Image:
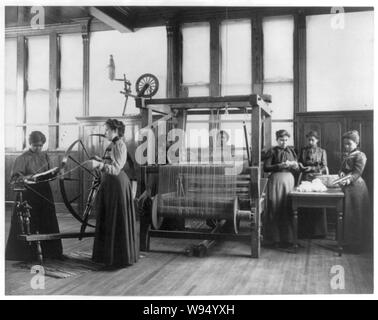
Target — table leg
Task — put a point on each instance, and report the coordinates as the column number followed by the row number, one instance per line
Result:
column 39, row 251
column 340, row 227
column 295, row 230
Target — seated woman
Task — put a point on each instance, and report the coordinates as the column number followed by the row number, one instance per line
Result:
column 356, row 201
column 116, row 242
column 312, row 160
column 281, row 162
column 39, row 196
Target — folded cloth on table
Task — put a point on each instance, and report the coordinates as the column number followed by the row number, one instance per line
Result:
column 314, row 186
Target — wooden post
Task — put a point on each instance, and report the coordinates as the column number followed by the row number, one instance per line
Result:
column 255, row 179
column 257, row 55
column 267, row 133
column 299, row 64
column 174, row 59
column 85, row 35
column 53, row 90
column 215, row 86
column 256, row 135
column 21, row 81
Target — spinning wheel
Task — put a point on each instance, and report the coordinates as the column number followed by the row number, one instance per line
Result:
column 73, row 171
column 147, row 85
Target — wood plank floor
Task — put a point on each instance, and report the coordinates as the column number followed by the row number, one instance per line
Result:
column 228, row 270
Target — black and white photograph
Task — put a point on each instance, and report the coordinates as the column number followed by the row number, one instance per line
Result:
column 183, row 150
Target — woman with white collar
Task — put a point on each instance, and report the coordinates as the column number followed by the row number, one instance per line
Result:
column 356, row 201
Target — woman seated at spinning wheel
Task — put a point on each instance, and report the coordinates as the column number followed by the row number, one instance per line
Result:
column 281, row 162
column 116, row 241
column 39, row 196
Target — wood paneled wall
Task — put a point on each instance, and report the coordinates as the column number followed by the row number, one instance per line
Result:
column 331, row 126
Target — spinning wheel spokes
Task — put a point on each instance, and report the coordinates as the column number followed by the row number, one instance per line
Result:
column 79, row 185
column 151, row 83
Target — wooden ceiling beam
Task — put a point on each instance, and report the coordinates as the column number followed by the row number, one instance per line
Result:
column 120, row 19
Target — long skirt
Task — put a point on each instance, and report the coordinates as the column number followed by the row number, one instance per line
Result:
column 356, row 213
column 278, row 223
column 43, row 219
column 116, row 240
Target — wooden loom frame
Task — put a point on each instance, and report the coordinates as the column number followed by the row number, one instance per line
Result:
column 258, row 108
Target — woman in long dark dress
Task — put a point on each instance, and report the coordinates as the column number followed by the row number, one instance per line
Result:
column 116, row 242
column 281, row 162
column 39, row 196
column 356, row 200
column 312, row 222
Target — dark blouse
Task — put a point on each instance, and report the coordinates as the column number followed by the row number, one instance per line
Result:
column 353, row 163
column 315, row 158
column 30, row 163
column 276, row 156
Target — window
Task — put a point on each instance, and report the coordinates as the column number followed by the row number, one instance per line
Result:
column 197, row 138
column 12, row 116
column 143, row 51
column 37, row 93
column 236, row 57
column 278, row 70
column 340, row 62
column 196, row 58
column 71, row 87
column 233, row 125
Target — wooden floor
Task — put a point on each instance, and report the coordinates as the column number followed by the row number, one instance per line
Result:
column 228, row 270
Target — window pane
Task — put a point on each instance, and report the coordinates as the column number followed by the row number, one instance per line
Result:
column 37, row 106
column 67, row 135
column 38, row 62
column 278, row 47
column 236, row 57
column 70, row 105
column 144, row 51
column 11, row 115
column 10, row 64
column 196, row 56
column 339, row 62
column 197, row 135
column 198, row 91
column 13, row 137
column 236, row 133
column 71, row 64
column 282, row 125
column 282, row 99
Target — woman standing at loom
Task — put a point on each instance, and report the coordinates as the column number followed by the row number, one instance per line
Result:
column 356, row 201
column 312, row 161
column 281, row 162
column 116, row 241
column 39, row 196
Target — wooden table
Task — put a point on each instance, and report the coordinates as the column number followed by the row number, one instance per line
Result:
column 332, row 198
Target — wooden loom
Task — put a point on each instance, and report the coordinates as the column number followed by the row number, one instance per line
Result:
column 204, row 191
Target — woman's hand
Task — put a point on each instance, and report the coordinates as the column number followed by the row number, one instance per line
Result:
column 285, row 164
column 345, row 182
column 93, row 164
column 294, row 165
column 341, row 174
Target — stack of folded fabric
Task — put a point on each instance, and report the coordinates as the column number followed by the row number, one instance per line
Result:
column 314, row 186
